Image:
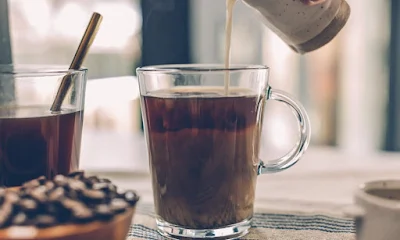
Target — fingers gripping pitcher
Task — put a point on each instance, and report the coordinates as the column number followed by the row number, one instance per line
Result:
column 305, row 25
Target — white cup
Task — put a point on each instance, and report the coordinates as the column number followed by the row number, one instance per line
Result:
column 377, row 217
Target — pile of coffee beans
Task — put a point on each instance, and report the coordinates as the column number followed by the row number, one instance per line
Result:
column 65, row 199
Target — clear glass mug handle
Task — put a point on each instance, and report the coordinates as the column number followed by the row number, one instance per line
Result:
column 295, row 154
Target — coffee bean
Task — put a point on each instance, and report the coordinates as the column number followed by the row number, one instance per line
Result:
column 39, row 194
column 60, row 180
column 49, row 185
column 104, row 212
column 104, row 180
column 77, row 174
column 93, row 195
column 42, row 180
column 23, row 194
column 28, row 205
column 76, row 185
column 20, row 219
column 72, row 194
column 112, row 187
column 44, row 220
column 3, row 192
column 93, row 179
column 103, row 186
column 6, row 214
column 11, row 197
column 82, row 214
column 31, row 184
column 2, row 195
column 71, row 204
column 87, row 182
column 118, row 205
column 57, row 194
column 131, row 197
column 110, row 196
column 62, row 213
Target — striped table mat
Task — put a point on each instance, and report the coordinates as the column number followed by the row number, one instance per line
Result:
column 271, row 226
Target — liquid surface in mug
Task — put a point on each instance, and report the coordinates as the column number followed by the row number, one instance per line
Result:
column 34, row 143
column 391, row 194
column 203, row 149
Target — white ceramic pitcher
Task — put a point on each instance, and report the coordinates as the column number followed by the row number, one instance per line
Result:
column 305, row 25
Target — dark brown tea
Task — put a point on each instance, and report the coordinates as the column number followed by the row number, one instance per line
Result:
column 34, row 143
column 203, row 149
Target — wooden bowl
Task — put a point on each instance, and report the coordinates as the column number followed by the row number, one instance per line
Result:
column 115, row 229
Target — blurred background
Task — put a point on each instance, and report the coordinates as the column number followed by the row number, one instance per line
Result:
column 350, row 87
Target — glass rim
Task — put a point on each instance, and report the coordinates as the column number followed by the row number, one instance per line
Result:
column 206, row 68
column 38, row 69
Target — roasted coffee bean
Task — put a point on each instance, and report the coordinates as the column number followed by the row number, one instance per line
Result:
column 131, row 197
column 82, row 214
column 76, row 185
column 2, row 195
column 42, row 180
column 103, row 186
column 20, row 219
column 62, row 213
column 31, row 184
column 39, row 194
column 2, row 191
column 87, row 182
column 60, row 180
column 71, row 204
column 73, row 194
column 12, row 197
column 93, row 195
column 44, row 220
column 118, row 205
column 28, row 205
column 104, row 180
column 5, row 214
column 23, row 194
column 104, row 212
column 57, row 194
column 93, row 179
column 112, row 187
column 77, row 174
column 111, row 196
column 49, row 185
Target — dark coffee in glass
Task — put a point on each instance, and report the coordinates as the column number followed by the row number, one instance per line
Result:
column 34, row 143
column 203, row 150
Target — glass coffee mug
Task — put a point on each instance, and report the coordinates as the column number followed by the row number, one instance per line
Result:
column 203, row 140
column 35, row 141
